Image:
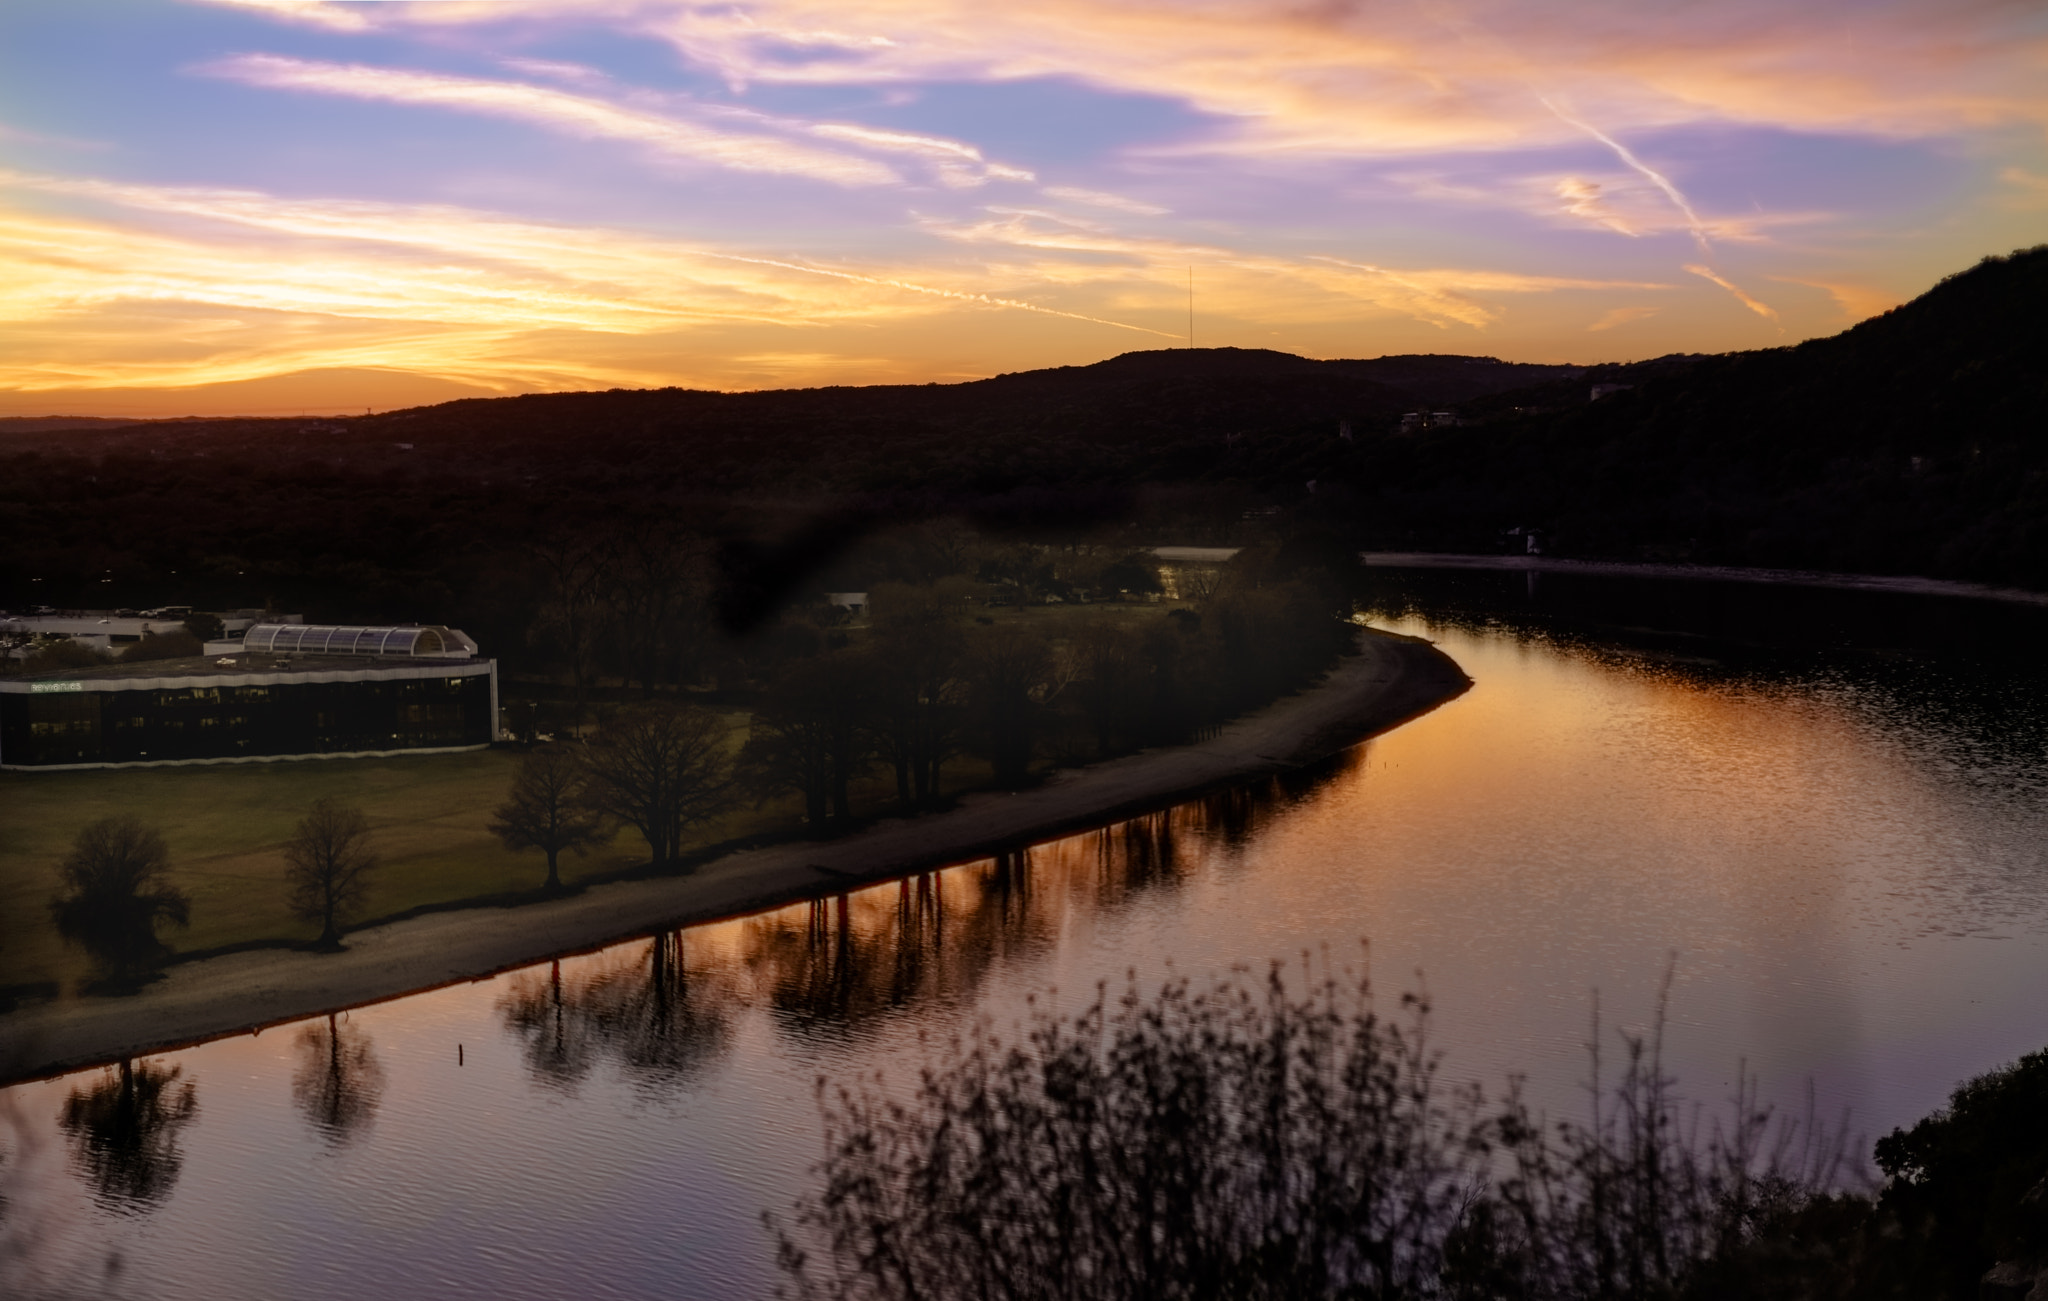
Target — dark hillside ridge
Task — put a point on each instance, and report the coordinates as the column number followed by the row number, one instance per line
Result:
column 1916, row 442
column 1913, row 443
column 1151, row 412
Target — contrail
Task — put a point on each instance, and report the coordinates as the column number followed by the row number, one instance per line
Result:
column 1708, row 273
column 1655, row 177
column 938, row 293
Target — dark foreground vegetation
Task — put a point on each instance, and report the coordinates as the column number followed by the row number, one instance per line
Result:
column 1255, row 1139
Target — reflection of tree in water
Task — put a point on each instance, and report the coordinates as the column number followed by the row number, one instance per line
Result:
column 338, row 1081
column 124, row 1130
column 851, row 957
column 557, row 1040
column 1138, row 854
column 869, row 953
column 645, row 1009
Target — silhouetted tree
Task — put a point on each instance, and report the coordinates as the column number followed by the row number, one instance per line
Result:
column 203, row 627
column 339, row 1080
column 916, row 660
column 1133, row 572
column 661, row 768
column 809, row 736
column 659, row 622
column 1110, row 666
column 569, row 627
column 1969, row 1184
column 175, row 645
column 64, row 653
column 546, row 809
column 328, row 862
column 1010, row 673
column 116, row 893
column 125, row 1131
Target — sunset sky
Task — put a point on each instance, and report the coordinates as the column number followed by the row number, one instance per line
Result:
column 213, row 206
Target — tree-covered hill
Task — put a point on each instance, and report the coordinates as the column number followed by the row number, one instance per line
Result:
column 1913, row 443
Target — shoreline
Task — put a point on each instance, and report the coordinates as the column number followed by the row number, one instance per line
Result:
column 1901, row 584
column 1391, row 680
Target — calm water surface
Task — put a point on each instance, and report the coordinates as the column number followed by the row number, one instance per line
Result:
column 1825, row 811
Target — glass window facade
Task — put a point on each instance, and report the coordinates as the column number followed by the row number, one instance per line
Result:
column 217, row 718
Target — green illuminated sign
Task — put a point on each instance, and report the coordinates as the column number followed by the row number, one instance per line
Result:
column 43, row 688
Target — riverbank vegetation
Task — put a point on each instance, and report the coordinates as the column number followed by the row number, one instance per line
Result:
column 1290, row 1139
column 822, row 721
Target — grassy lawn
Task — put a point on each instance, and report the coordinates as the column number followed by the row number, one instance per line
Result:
column 227, row 824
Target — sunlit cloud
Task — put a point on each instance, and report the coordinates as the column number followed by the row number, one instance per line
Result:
column 1856, row 302
column 1344, row 77
column 312, row 13
column 430, row 286
column 555, row 110
column 1099, row 199
column 1621, row 316
column 1619, row 202
column 1259, row 287
column 776, row 189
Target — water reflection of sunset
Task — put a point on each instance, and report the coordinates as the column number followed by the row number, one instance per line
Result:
column 1845, row 866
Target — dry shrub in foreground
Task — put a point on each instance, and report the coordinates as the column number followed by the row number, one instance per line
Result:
column 1255, row 1139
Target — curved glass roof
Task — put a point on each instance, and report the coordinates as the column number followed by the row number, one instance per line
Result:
column 335, row 639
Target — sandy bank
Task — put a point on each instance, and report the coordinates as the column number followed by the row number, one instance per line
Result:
column 1390, row 680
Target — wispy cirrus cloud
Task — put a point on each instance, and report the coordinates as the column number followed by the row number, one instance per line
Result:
column 1343, row 176
column 1263, row 288
column 1620, row 202
column 1351, row 78
column 704, row 138
column 384, row 277
column 556, row 110
column 1621, row 316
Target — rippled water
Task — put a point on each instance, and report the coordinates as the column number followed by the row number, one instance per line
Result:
column 1825, row 812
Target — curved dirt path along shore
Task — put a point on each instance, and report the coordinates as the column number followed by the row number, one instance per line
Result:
column 1390, row 680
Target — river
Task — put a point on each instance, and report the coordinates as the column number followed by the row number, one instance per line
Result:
column 1825, row 814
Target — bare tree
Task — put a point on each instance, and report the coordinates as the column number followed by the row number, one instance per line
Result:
column 660, row 619
column 918, row 649
column 328, row 862
column 1011, row 672
column 1110, row 663
column 546, row 809
column 571, row 620
column 808, row 736
column 661, row 768
column 116, row 893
